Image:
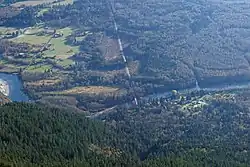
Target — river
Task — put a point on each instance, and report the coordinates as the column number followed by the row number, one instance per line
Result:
column 222, row 87
column 16, row 93
column 15, row 87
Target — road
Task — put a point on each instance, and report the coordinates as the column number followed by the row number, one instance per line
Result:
column 106, row 111
column 121, row 51
column 127, row 72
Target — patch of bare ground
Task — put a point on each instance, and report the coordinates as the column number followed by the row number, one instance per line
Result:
column 90, row 90
column 133, row 67
column 109, row 48
column 107, row 151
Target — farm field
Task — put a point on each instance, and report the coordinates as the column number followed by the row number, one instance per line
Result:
column 90, row 90
column 31, row 39
column 57, row 48
column 40, row 68
column 39, row 2
column 6, row 30
column 64, row 63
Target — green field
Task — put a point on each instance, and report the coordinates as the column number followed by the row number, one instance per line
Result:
column 39, row 68
column 33, row 30
column 31, row 39
column 58, row 47
column 9, row 68
column 64, row 63
column 4, row 30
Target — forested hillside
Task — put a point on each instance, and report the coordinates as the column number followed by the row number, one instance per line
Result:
column 34, row 135
column 214, row 126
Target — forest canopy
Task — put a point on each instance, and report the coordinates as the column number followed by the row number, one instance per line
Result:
column 35, row 135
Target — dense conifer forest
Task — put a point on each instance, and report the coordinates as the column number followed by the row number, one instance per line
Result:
column 35, row 135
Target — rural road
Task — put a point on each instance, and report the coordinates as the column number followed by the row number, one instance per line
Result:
column 121, row 50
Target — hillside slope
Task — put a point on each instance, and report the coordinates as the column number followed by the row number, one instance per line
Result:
column 35, row 135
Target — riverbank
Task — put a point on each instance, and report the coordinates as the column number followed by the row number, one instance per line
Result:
column 15, row 87
column 4, row 87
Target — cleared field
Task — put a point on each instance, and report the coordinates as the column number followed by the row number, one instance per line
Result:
column 39, row 68
column 90, row 90
column 46, row 82
column 9, row 68
column 33, row 30
column 39, row 2
column 134, row 67
column 58, row 47
column 64, row 63
column 109, row 48
column 6, row 30
column 4, row 63
column 31, row 39
column 86, row 90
